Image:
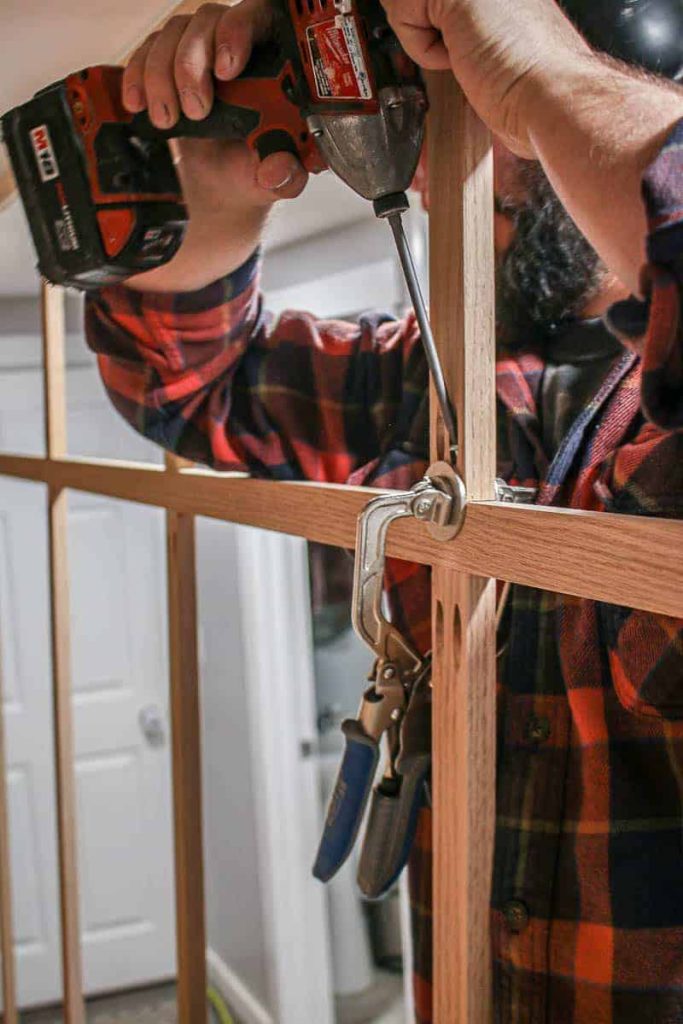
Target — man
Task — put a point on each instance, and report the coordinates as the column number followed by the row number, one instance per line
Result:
column 587, row 901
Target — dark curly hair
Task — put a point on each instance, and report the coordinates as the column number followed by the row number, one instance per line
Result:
column 549, row 272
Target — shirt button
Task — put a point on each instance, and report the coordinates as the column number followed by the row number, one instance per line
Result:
column 516, row 915
column 538, row 729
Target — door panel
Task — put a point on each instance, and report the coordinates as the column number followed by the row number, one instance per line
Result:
column 24, row 648
column 119, row 667
column 28, row 910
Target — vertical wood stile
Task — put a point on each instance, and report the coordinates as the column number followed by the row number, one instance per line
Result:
column 462, row 311
column 187, row 780
column 65, row 783
column 9, row 993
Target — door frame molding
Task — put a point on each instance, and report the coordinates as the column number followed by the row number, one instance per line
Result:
column 280, row 685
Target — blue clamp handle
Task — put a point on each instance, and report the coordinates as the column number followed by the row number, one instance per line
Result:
column 349, row 799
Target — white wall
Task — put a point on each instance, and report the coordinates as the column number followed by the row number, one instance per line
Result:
column 343, row 272
column 233, row 896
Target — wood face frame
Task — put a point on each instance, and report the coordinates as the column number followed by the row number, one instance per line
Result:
column 640, row 563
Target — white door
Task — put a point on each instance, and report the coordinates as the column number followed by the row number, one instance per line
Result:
column 119, row 665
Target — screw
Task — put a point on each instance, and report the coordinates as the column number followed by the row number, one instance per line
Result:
column 396, row 715
column 388, row 672
column 423, row 507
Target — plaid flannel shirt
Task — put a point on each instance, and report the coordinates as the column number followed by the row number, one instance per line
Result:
column 587, row 898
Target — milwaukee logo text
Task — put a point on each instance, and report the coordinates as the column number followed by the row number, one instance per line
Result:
column 45, row 156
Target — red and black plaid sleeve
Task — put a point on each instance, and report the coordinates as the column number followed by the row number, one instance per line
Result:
column 210, row 376
column 644, row 477
column 655, row 325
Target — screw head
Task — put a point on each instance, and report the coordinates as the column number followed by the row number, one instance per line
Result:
column 396, row 715
column 423, row 507
column 388, row 672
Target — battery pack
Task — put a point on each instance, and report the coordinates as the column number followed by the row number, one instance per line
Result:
column 102, row 203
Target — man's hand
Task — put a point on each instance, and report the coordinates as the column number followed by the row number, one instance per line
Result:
column 227, row 189
column 593, row 124
column 499, row 52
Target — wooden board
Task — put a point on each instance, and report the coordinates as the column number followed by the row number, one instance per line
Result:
column 187, row 780
column 641, row 560
column 463, row 606
column 60, row 626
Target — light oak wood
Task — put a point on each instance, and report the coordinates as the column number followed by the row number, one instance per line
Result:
column 463, row 786
column 640, row 560
column 53, row 333
column 65, row 782
column 463, row 606
column 7, row 966
column 187, row 781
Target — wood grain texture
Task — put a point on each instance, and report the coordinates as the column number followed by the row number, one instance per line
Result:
column 186, row 748
column 60, row 633
column 7, row 965
column 463, row 606
column 53, row 332
column 462, row 279
column 463, row 776
column 640, row 561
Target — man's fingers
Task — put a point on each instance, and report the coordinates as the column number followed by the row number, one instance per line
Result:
column 423, row 43
column 282, row 176
column 194, row 60
column 174, row 68
column 237, row 31
column 159, row 81
column 133, row 85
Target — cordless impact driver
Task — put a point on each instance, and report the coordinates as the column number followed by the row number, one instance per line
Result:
column 333, row 87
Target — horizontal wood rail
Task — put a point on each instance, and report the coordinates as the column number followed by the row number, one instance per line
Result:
column 607, row 557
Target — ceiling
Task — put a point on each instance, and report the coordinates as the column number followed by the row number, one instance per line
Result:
column 39, row 43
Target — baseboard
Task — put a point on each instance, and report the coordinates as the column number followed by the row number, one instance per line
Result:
column 239, row 996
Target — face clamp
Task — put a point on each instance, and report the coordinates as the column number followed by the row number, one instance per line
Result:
column 439, row 501
column 397, row 704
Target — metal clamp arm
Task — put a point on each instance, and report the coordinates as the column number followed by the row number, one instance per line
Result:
column 369, row 621
column 437, row 500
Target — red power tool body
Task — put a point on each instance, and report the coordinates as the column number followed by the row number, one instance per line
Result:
column 99, row 186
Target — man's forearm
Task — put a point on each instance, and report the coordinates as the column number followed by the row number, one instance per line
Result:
column 211, row 249
column 596, row 127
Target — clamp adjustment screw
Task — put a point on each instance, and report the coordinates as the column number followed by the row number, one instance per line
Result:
column 423, row 507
